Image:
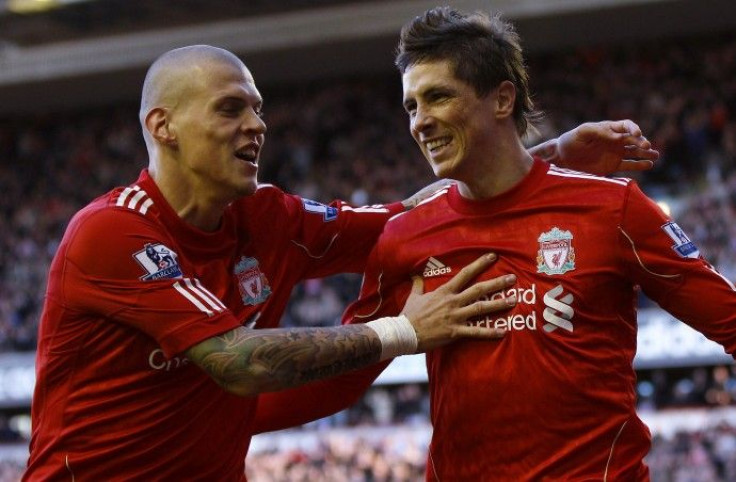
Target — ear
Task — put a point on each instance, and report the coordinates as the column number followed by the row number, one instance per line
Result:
column 157, row 124
column 505, row 99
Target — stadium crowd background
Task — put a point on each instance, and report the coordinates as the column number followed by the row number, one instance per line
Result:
column 348, row 139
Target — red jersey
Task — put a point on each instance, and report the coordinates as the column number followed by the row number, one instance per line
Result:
column 130, row 289
column 555, row 398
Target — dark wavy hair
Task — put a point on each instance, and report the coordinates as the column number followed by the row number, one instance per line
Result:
column 484, row 49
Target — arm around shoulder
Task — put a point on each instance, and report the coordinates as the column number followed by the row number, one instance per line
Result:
column 248, row 362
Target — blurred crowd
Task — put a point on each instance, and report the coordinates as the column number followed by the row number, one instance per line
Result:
column 349, row 139
column 687, row 456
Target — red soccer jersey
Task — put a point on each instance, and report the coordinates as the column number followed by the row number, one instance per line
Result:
column 131, row 287
column 555, row 398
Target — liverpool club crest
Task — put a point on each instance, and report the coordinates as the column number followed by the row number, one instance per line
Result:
column 556, row 254
column 252, row 284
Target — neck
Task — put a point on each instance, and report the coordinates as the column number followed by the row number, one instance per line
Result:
column 496, row 173
column 187, row 200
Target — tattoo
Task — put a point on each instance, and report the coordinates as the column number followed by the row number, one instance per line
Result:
column 249, row 362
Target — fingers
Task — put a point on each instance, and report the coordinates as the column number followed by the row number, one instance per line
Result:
column 641, row 152
column 484, row 307
column 638, row 153
column 485, row 287
column 628, row 133
column 417, row 285
column 469, row 272
column 626, row 126
column 479, row 332
column 635, row 165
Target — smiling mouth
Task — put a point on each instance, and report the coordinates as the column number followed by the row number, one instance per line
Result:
column 248, row 155
column 438, row 143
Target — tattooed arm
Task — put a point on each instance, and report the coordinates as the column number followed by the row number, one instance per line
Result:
column 248, row 362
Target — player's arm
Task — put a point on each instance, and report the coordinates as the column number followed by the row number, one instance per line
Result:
column 248, row 362
column 600, row 148
column 327, row 239
column 383, row 293
column 596, row 147
column 668, row 266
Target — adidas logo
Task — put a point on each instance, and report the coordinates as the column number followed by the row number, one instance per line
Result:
column 435, row 267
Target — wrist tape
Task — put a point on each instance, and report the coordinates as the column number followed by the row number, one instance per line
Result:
column 397, row 336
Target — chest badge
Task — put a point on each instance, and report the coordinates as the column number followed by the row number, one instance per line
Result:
column 556, row 254
column 252, row 283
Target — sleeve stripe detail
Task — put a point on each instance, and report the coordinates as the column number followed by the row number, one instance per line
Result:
column 208, row 296
column 365, row 209
column 124, row 195
column 641, row 263
column 147, row 204
column 380, row 300
column 434, row 196
column 590, row 177
column 191, row 298
column 610, row 452
column 134, row 198
column 728, row 282
column 196, row 296
column 321, row 255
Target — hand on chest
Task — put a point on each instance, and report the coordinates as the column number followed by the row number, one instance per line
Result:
column 557, row 269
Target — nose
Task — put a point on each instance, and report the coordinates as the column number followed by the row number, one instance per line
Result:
column 254, row 123
column 422, row 120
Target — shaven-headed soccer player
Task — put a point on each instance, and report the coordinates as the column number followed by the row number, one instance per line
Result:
column 148, row 362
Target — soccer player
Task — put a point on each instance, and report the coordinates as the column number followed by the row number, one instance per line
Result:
column 149, row 361
column 555, row 398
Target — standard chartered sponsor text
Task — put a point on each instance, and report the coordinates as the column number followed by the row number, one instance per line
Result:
column 512, row 321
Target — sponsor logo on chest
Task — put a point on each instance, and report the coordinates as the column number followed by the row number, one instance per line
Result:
column 252, row 283
column 556, row 310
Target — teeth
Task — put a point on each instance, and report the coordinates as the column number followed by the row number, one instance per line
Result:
column 432, row 145
column 246, row 155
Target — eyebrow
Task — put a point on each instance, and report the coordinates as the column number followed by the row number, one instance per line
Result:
column 428, row 93
column 239, row 100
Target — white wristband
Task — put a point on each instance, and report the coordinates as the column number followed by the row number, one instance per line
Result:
column 397, row 336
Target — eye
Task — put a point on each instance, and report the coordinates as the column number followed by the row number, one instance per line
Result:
column 437, row 96
column 230, row 110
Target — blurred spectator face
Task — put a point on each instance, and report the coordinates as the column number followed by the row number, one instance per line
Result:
column 449, row 122
column 218, row 131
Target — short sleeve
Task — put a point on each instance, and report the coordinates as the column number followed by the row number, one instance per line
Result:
column 123, row 268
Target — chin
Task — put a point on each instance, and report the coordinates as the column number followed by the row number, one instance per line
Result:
column 443, row 172
column 248, row 188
